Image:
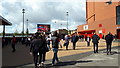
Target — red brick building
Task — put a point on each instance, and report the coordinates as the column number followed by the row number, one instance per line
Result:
column 101, row 17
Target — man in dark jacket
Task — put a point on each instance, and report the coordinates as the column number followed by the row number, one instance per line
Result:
column 95, row 40
column 109, row 39
column 38, row 47
column 74, row 40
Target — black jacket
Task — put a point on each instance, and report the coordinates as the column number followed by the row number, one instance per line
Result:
column 38, row 45
column 109, row 38
column 55, row 42
column 95, row 38
column 74, row 39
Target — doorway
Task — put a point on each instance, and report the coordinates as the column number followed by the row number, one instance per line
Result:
column 118, row 33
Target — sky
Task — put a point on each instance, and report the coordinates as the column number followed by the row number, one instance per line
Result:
column 43, row 12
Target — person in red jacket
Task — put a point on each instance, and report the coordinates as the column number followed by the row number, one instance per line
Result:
column 13, row 44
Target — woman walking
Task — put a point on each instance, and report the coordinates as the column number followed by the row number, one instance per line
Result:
column 55, row 43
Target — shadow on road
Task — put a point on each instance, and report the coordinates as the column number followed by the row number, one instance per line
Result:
column 67, row 63
column 113, row 52
column 75, row 49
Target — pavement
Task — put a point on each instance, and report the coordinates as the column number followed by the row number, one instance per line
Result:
column 86, row 60
column 0, row 52
column 82, row 57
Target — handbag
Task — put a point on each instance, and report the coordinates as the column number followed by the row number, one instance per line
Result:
column 47, row 48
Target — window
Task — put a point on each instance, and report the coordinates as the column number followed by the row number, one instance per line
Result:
column 85, row 27
column 118, row 15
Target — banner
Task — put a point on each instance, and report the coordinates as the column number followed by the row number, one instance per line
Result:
column 43, row 27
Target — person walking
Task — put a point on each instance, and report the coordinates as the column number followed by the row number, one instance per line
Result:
column 66, row 43
column 26, row 41
column 95, row 40
column 55, row 46
column 115, row 36
column 43, row 49
column 109, row 39
column 13, row 44
column 48, row 42
column 38, row 50
column 74, row 40
column 88, row 39
column 3, row 41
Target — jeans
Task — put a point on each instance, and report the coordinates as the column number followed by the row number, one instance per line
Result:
column 67, row 45
column 13, row 47
column 35, row 55
column 88, row 43
column 55, row 57
column 108, row 47
column 95, row 47
column 42, row 56
column 74, row 45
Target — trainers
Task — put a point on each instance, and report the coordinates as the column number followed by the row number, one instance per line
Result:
column 39, row 65
column 53, row 64
column 42, row 63
column 58, row 62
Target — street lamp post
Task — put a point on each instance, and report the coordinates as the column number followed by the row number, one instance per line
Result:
column 61, row 25
column 27, row 23
column 27, row 28
column 67, row 20
column 23, row 11
column 55, row 23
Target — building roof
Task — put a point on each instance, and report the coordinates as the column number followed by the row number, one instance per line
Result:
column 84, row 31
column 3, row 21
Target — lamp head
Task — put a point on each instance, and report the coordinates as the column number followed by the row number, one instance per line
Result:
column 108, row 2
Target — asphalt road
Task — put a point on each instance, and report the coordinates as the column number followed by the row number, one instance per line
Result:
column 81, row 57
column 86, row 60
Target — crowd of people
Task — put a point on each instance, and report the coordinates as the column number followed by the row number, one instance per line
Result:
column 40, row 44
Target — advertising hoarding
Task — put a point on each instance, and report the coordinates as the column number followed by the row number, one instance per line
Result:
column 43, row 27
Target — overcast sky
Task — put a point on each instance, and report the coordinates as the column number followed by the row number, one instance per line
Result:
column 43, row 11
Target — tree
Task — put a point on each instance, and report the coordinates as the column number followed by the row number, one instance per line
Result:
column 27, row 31
column 16, row 32
column 22, row 33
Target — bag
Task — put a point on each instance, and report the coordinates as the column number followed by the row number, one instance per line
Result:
column 47, row 48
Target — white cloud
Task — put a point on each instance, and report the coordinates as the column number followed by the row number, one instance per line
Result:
column 1, row 28
column 43, row 11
